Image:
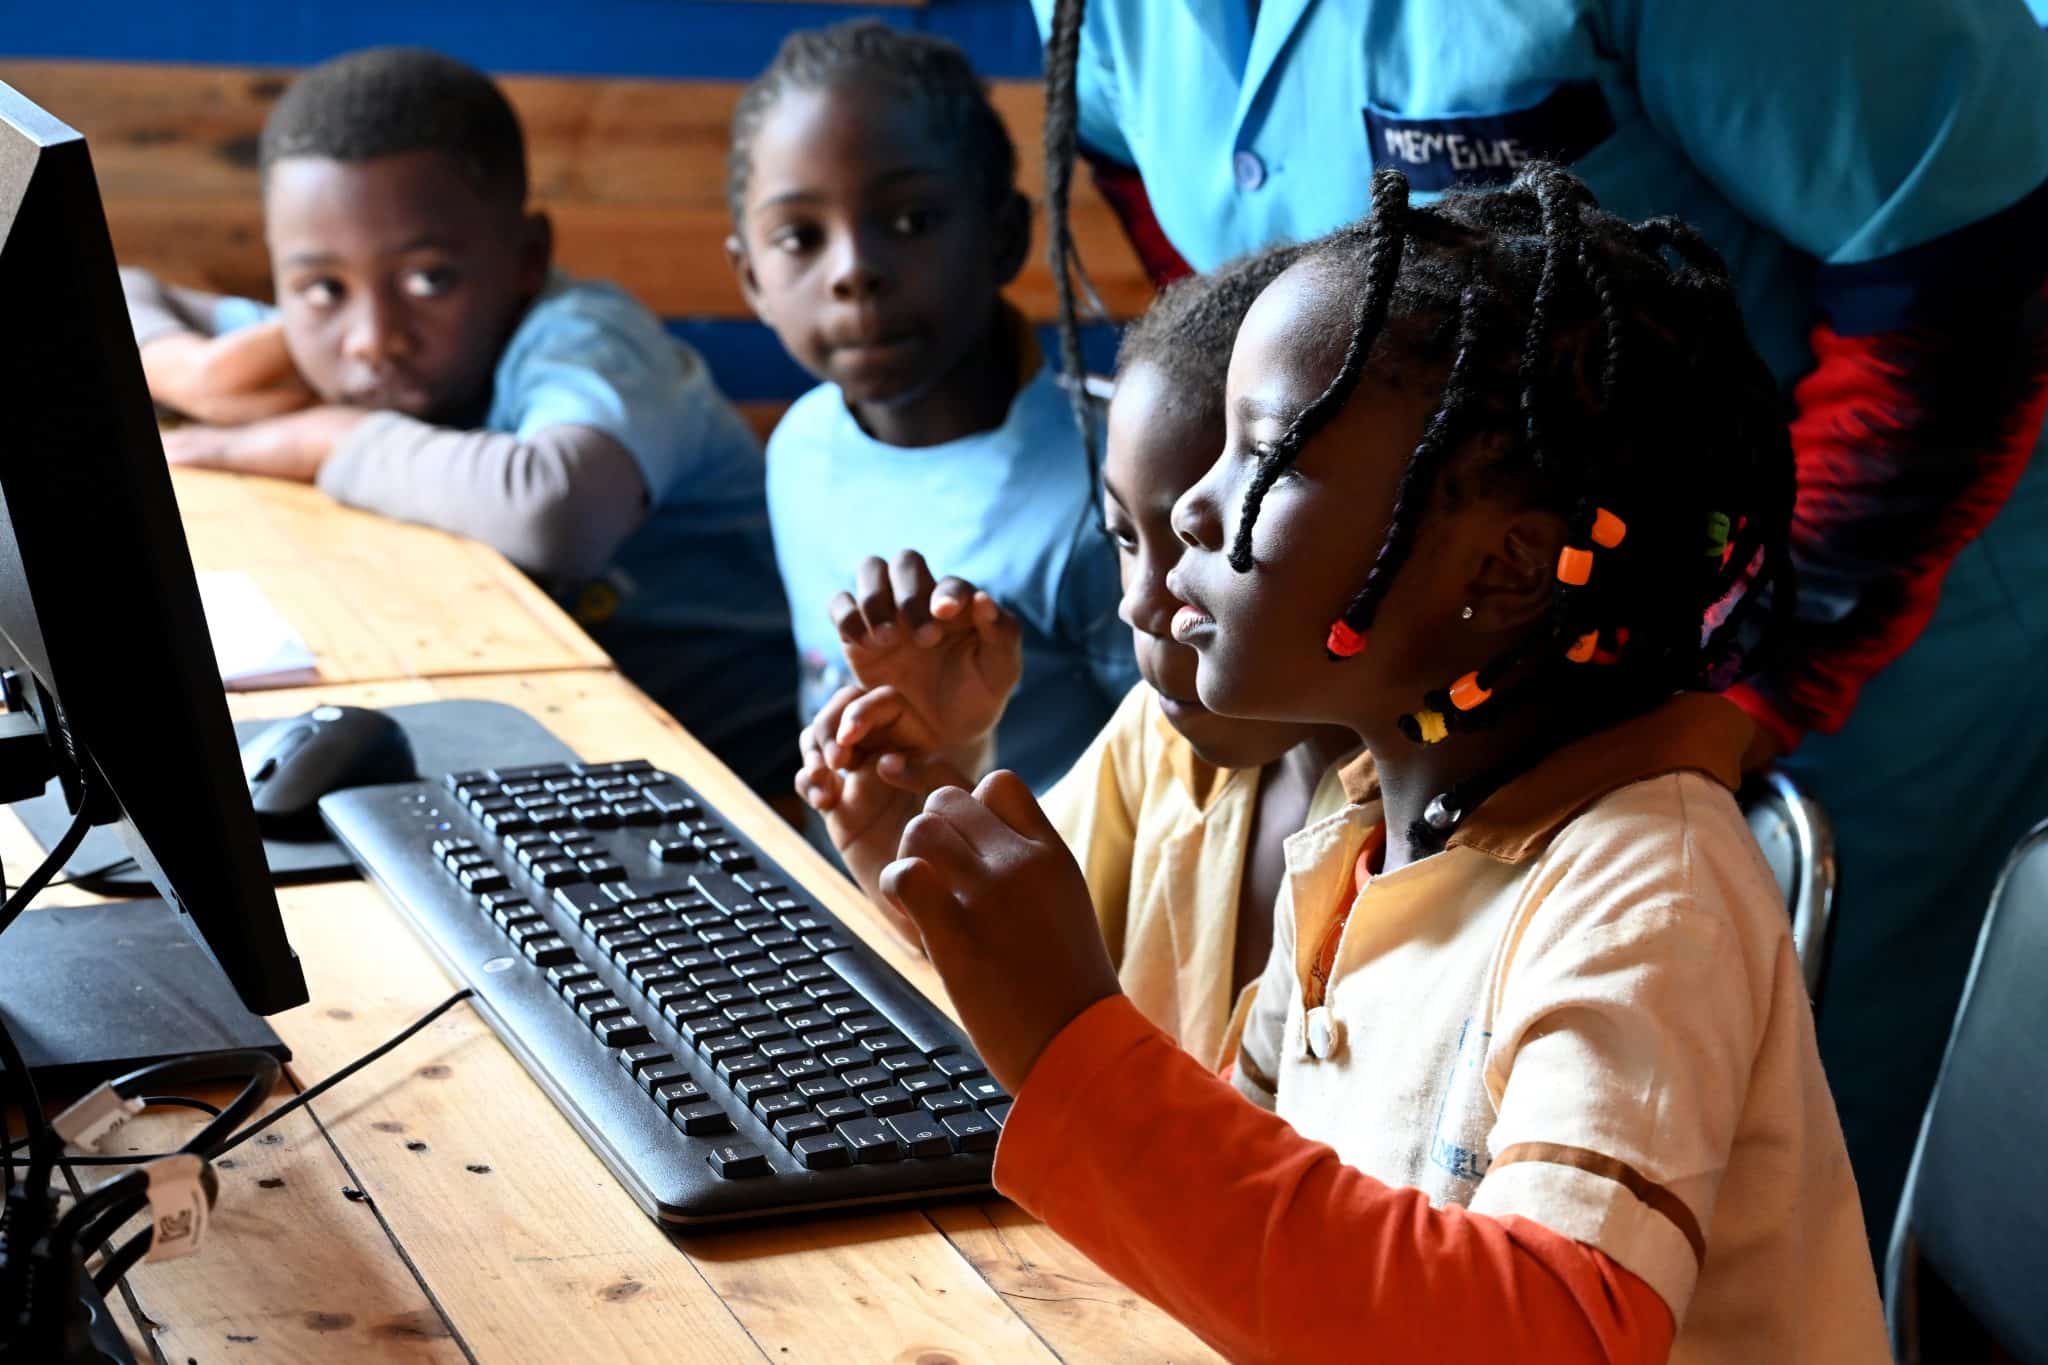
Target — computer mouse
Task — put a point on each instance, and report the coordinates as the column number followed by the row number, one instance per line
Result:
column 295, row 762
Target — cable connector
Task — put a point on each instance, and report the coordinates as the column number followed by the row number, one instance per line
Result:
column 86, row 1124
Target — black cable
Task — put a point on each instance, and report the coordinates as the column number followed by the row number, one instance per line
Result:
column 42, row 1139
column 179, row 1102
column 93, row 873
column 74, row 835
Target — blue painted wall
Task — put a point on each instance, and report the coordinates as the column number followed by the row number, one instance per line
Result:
column 679, row 39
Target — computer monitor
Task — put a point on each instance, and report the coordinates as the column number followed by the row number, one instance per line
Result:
column 100, row 620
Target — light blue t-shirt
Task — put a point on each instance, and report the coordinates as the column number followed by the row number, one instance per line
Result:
column 691, row 607
column 1795, row 137
column 1010, row 510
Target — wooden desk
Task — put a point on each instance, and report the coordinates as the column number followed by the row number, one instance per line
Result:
column 376, row 599
column 437, row 1207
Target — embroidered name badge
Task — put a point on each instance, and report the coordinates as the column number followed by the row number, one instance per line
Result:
column 1487, row 149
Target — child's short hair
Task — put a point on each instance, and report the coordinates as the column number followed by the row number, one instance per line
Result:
column 916, row 66
column 1588, row 374
column 383, row 101
column 1188, row 331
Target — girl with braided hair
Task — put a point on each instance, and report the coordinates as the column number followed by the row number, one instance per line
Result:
column 1531, row 1068
column 1876, row 178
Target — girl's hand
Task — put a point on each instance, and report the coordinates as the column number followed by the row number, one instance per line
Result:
column 242, row 376
column 1006, row 918
column 293, row 447
column 949, row 651
column 866, row 803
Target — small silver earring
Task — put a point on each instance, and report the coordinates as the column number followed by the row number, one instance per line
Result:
column 1466, row 614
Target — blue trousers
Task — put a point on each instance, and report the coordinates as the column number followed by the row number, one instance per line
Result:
column 1940, row 770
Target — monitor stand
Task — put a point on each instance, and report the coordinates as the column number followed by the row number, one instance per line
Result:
column 91, row 992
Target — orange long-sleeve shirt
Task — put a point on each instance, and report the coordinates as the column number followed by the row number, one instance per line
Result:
column 1268, row 1246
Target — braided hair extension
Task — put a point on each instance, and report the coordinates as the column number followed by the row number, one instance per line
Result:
column 1062, row 147
column 1593, row 367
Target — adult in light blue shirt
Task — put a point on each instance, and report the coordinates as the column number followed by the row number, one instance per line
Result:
column 1876, row 178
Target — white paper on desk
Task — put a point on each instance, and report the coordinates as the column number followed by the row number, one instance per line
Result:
column 254, row 645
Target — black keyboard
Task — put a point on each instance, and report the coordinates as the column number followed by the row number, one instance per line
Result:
column 722, row 1041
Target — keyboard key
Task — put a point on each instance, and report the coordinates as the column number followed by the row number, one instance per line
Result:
column 754, row 923
column 886, row 1099
column 843, row 1058
column 923, row 1083
column 530, row 772
column 553, row 818
column 626, row 938
column 558, row 785
column 685, row 1006
column 477, row 880
column 700, row 1120
column 842, row 1010
column 668, row 801
column 578, row 849
column 723, row 995
column 582, row 992
column 620, row 1030
column 733, row 860
column 769, row 939
column 862, row 1023
column 665, row 848
column 673, row 991
column 700, row 919
column 984, row 1091
column 585, row 904
column 944, row 1102
column 759, row 1086
column 712, row 935
column 957, row 1066
column 634, row 950
column 736, row 951
column 701, row 1029
column 595, row 815
column 901, row 1064
column 872, row 1140
column 603, row 869
column 692, row 959
column 659, row 972
column 644, row 1054
column 798, row 1067
column 835, row 1040
column 607, row 782
column 790, row 1004
column 921, row 1134
column 972, row 1132
column 999, row 1112
column 525, row 931
column 721, row 1046
column 615, row 768
column 774, row 1107
column 655, row 1075
column 750, row 971
column 841, row 1109
column 556, row 872
column 548, row 950
column 768, row 985
column 882, row 1042
column 781, row 902
column 769, row 1032
column 637, row 813
column 748, row 1012
column 814, row 973
column 746, row 1062
column 512, row 917
column 674, row 1095
column 821, row 1087
column 822, row 1152
column 600, row 1007
column 791, row 957
column 503, row 822
column 802, row 1124
column 610, row 922
column 866, row 1078
column 802, row 922
column 738, row 1160
column 569, row 974
column 929, row 1031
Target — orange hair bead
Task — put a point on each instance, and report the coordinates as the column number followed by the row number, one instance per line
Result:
column 1582, row 649
column 1608, row 529
column 1466, row 692
column 1574, row 565
column 1343, row 642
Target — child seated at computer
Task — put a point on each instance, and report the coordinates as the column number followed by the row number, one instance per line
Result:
column 425, row 362
column 1176, row 813
column 876, row 222
column 1531, row 1069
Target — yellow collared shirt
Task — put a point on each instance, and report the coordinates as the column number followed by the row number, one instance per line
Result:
column 1162, row 838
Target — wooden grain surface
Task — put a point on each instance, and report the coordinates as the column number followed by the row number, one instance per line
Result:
column 632, row 172
column 485, row 1225
column 376, row 599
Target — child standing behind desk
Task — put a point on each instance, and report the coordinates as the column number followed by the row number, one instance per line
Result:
column 424, row 362
column 876, row 223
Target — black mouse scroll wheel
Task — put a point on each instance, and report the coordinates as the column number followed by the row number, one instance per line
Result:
column 264, row 770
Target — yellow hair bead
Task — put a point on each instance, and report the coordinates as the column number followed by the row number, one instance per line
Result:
column 1431, row 725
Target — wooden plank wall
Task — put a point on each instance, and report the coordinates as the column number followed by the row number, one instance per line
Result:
column 632, row 172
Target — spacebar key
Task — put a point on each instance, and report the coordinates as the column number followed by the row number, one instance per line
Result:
column 915, row 1018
